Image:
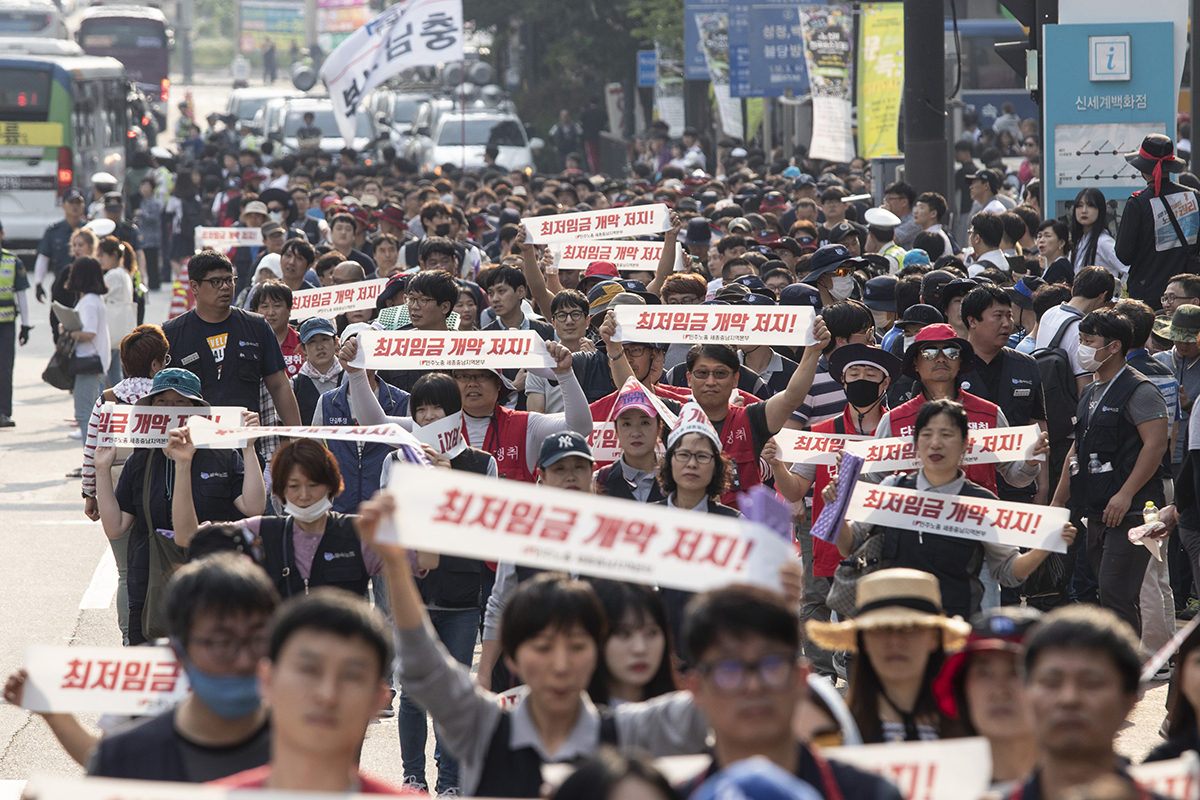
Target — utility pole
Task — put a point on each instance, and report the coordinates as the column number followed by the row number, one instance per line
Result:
column 925, row 156
column 187, row 14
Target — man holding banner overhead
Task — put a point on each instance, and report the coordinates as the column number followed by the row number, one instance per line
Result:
column 712, row 370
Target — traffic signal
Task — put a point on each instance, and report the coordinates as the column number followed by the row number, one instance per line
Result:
column 1022, row 56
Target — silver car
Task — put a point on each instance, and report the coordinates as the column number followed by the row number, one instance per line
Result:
column 291, row 119
column 461, row 138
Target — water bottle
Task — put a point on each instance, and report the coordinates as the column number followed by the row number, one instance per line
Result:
column 1094, row 465
column 1074, row 465
column 1150, row 513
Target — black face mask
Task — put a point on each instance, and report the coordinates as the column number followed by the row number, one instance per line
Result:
column 863, row 393
column 442, row 230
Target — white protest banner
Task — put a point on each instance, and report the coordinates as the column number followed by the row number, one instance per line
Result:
column 411, row 33
column 329, row 301
column 984, row 446
column 603, row 441
column 102, row 680
column 607, row 223
column 1177, row 778
column 149, row 426
column 806, row 447
column 511, row 349
column 225, row 238
column 623, row 255
column 478, row 517
column 954, row 769
column 443, row 435
column 787, row 325
column 210, row 435
column 980, row 519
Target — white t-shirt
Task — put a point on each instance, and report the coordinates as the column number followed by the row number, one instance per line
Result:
column 992, row 258
column 90, row 309
column 119, row 305
column 1051, row 321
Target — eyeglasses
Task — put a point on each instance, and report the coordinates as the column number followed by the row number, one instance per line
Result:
column 718, row 374
column 418, row 299
column 227, row 650
column 472, row 377
column 635, row 350
column 1170, row 298
column 217, row 283
column 274, row 208
column 569, row 316
column 951, row 352
column 772, row 672
column 684, row 456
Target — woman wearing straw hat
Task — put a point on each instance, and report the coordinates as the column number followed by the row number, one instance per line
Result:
column 904, row 636
column 940, row 433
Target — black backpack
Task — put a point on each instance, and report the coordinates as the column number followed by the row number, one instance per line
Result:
column 1058, row 384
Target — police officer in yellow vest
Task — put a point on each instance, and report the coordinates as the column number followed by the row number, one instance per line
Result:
column 13, row 284
column 881, row 227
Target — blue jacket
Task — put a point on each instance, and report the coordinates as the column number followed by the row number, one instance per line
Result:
column 361, row 469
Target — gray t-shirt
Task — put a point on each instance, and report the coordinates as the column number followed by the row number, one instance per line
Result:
column 1145, row 404
column 553, row 394
column 203, row 764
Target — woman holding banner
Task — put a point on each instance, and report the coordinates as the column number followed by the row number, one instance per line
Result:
column 148, row 496
column 940, row 433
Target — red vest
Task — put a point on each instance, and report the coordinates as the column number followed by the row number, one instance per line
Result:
column 506, row 441
column 825, row 555
column 980, row 414
column 737, row 442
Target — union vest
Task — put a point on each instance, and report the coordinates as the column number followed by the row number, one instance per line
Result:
column 506, row 441
column 737, row 441
column 1116, row 442
column 610, row 480
column 337, row 562
column 457, row 581
column 241, row 370
column 360, row 468
column 518, row 773
column 1019, row 379
column 980, row 414
column 307, row 396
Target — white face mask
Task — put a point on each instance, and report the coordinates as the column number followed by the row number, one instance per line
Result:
column 1087, row 358
column 309, row 513
column 276, row 216
column 909, row 341
column 882, row 323
column 843, row 287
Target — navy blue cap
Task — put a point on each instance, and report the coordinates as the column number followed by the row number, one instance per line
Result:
column 755, row 299
column 827, row 259
column 751, row 282
column 921, row 314
column 316, row 326
column 72, row 194
column 395, row 285
column 638, row 288
column 804, row 180
column 558, row 446
column 880, row 293
column 699, row 232
column 800, row 294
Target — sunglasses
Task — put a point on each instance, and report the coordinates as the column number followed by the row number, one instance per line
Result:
column 950, row 351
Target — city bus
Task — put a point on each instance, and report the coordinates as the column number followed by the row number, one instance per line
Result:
column 138, row 37
column 31, row 19
column 62, row 119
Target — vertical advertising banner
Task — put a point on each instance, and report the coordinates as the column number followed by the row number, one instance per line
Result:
column 668, row 88
column 714, row 42
column 880, row 78
column 829, row 53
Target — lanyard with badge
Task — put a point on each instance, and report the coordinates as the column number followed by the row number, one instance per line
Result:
column 1092, row 405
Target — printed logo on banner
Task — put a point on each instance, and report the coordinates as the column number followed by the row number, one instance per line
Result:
column 738, row 325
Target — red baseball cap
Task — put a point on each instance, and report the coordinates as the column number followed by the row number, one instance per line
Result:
column 393, row 215
column 601, row 269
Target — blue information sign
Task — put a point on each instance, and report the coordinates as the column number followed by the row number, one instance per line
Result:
column 695, row 65
column 1099, row 106
column 775, row 43
column 740, row 56
column 647, row 67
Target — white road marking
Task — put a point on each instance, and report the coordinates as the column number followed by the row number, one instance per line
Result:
column 11, row 790
column 100, row 591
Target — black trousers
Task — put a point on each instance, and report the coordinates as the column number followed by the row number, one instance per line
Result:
column 8, row 343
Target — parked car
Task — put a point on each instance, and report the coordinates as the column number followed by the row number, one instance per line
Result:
column 291, row 119
column 245, row 103
column 393, row 112
column 461, row 138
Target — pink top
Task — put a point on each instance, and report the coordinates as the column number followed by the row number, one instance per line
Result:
column 305, row 545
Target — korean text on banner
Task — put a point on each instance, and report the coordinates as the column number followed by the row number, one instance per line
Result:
column 207, row 434
column 478, row 517
column 1177, row 778
column 411, row 33
column 451, row 350
column 608, row 223
column 102, row 680
column 979, row 519
column 771, row 325
column 623, row 255
column 443, row 435
column 806, row 447
column 149, row 426
column 947, row 770
column 225, row 238
column 880, row 78
column 329, row 301
column 984, row 446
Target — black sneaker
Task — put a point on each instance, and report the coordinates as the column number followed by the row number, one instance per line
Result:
column 1189, row 611
column 7, row 422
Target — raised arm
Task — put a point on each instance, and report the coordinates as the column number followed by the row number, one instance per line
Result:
column 666, row 261
column 618, row 364
column 183, row 509
column 364, row 405
column 780, row 407
column 538, row 292
column 114, row 520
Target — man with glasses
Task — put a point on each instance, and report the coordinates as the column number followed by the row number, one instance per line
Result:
column 429, row 297
column 218, row 610
column 899, row 199
column 569, row 314
column 1182, row 290
column 231, row 350
column 936, row 361
column 750, row 681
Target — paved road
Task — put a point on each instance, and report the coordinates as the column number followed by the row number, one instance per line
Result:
column 57, row 576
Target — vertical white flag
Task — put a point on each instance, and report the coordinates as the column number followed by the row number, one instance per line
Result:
column 409, row 34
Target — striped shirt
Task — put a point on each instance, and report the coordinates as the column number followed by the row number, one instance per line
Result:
column 826, row 399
